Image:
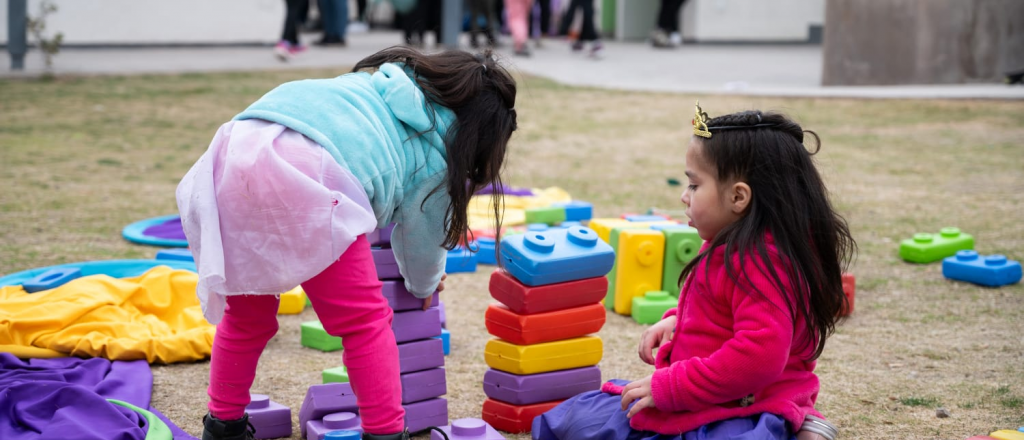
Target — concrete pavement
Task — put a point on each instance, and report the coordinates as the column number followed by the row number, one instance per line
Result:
column 786, row 70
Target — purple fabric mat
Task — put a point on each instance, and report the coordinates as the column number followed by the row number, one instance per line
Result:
column 168, row 230
column 594, row 415
column 65, row 398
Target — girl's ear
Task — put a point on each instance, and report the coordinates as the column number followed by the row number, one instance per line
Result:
column 739, row 197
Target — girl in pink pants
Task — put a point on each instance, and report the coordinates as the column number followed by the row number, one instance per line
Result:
column 518, row 23
column 288, row 190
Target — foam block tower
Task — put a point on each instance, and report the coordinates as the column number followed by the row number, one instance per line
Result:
column 550, row 302
column 418, row 333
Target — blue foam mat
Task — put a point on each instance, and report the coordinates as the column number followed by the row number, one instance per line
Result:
column 134, row 232
column 113, row 268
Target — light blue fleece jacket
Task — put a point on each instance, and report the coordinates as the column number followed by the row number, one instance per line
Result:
column 382, row 129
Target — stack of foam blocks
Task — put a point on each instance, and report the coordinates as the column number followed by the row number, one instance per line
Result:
column 421, row 351
column 550, row 292
column 417, row 332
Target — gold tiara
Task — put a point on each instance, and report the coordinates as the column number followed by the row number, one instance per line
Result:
column 700, row 123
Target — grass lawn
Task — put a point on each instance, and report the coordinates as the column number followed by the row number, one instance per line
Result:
column 80, row 158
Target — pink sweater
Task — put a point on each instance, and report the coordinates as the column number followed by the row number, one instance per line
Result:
column 730, row 343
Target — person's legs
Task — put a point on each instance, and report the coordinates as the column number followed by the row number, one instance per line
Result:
column 517, row 10
column 589, row 30
column 249, row 322
column 348, row 300
column 291, row 22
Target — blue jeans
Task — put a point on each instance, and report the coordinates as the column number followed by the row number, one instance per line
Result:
column 334, row 16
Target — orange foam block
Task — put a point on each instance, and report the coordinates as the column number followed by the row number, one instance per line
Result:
column 526, row 300
column 511, row 418
column 544, row 327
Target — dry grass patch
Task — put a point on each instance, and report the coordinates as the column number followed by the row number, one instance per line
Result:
column 83, row 157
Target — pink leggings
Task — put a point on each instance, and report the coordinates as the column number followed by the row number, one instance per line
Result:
column 347, row 298
column 518, row 21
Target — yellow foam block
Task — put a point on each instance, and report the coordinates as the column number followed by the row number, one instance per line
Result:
column 604, row 226
column 1006, row 434
column 542, row 358
column 638, row 267
column 292, row 302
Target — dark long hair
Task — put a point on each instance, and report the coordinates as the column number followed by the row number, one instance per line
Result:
column 483, row 96
column 789, row 200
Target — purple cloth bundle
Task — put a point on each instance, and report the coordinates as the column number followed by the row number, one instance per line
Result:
column 66, row 398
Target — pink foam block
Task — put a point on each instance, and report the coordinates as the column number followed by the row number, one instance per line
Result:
column 387, row 267
column 423, row 385
column 401, row 300
column 271, row 419
column 325, row 399
column 420, row 355
column 468, row 429
column 416, row 324
column 426, row 413
column 316, row 429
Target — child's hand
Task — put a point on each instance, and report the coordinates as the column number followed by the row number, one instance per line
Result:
column 430, row 299
column 656, row 336
column 640, row 391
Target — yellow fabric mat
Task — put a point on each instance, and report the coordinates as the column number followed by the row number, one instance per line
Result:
column 155, row 316
column 481, row 211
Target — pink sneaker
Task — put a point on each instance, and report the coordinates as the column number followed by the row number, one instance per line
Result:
column 283, row 50
column 295, row 50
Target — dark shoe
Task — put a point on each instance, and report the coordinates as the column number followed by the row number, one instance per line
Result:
column 217, row 429
column 404, row 435
column 330, row 41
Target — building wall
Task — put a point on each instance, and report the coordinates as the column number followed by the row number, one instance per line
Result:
column 751, row 20
column 871, row 42
column 147, row 22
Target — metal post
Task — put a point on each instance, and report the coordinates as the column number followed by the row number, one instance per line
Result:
column 17, row 34
column 451, row 23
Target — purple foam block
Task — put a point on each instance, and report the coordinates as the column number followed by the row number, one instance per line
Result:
column 387, row 267
column 401, row 300
column 444, row 321
column 325, row 399
column 423, row 385
column 420, row 355
column 271, row 419
column 381, row 237
column 468, row 429
column 316, row 429
column 544, row 387
column 416, row 324
column 427, row 413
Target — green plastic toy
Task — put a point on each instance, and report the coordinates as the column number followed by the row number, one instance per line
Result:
column 336, row 374
column 681, row 245
column 649, row 308
column 313, row 335
column 927, row 248
column 613, row 240
column 551, row 215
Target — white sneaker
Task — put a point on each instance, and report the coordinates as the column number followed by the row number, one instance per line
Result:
column 675, row 39
column 357, row 27
column 283, row 51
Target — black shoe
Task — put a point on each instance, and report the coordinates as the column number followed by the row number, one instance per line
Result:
column 404, row 435
column 1015, row 77
column 330, row 41
column 217, row 429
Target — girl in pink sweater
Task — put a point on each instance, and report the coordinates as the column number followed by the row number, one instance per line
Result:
column 736, row 358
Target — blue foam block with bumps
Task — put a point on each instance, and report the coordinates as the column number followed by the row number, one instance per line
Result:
column 987, row 270
column 577, row 210
column 484, row 247
column 556, row 256
column 177, row 254
column 51, row 279
column 460, row 260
